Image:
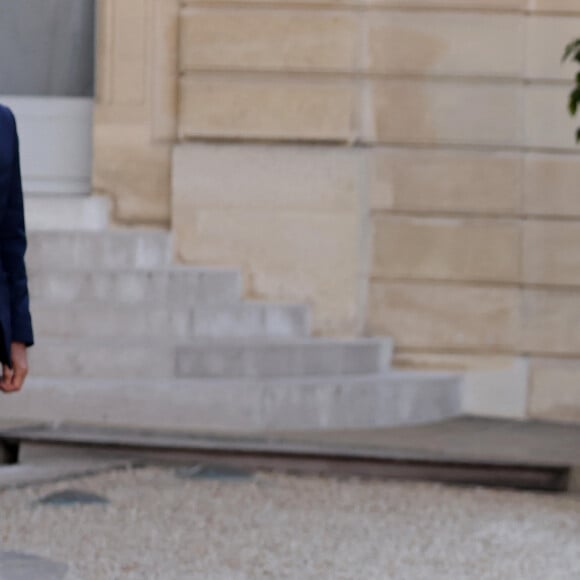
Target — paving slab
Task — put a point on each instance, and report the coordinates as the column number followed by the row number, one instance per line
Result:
column 55, row 469
column 23, row 566
column 67, row 497
column 462, row 439
column 214, row 472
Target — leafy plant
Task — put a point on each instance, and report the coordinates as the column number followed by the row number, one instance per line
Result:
column 572, row 53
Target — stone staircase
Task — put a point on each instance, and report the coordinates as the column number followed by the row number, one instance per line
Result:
column 126, row 338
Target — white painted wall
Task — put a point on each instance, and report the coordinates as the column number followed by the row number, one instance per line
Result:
column 55, row 143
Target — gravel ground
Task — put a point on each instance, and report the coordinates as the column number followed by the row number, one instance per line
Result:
column 159, row 526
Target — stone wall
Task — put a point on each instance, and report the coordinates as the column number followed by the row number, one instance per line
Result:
column 405, row 166
column 280, row 190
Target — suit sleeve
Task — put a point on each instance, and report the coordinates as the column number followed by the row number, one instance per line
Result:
column 13, row 248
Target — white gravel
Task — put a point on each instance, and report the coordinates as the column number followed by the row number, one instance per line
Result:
column 162, row 527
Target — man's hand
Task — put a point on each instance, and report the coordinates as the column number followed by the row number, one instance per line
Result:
column 13, row 378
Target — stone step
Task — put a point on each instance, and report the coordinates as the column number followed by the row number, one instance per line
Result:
column 121, row 249
column 243, row 405
column 239, row 319
column 148, row 286
column 202, row 358
column 66, row 212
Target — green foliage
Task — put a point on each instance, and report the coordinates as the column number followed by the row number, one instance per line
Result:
column 572, row 53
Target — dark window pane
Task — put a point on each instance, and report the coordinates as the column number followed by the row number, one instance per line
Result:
column 47, row 47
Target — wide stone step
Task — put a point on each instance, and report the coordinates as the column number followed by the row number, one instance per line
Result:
column 85, row 250
column 66, row 212
column 252, row 358
column 166, row 286
column 239, row 319
column 283, row 404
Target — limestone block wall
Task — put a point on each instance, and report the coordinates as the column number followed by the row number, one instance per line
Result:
column 135, row 113
column 406, row 166
column 474, row 201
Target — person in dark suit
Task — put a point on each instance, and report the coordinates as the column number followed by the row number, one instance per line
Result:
column 16, row 333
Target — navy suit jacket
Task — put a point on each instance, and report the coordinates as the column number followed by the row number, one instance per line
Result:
column 15, row 321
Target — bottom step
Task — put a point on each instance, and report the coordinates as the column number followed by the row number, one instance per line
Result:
column 466, row 450
column 56, row 469
column 368, row 401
